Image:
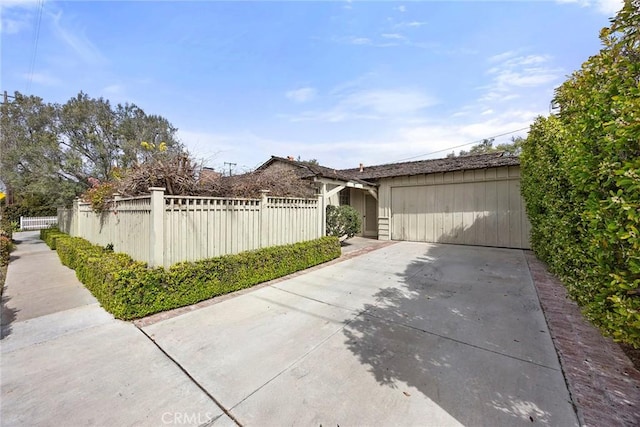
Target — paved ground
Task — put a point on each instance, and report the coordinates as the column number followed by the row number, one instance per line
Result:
column 65, row 361
column 602, row 380
column 408, row 334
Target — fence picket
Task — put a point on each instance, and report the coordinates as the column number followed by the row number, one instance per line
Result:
column 193, row 228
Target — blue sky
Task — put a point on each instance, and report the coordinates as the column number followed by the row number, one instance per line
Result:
column 341, row 82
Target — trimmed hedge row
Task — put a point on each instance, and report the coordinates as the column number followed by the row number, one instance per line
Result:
column 129, row 290
column 581, row 182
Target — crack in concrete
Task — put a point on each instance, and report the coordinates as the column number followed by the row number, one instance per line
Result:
column 226, row 411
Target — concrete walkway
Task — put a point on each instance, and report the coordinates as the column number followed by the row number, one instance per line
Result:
column 408, row 334
column 65, row 361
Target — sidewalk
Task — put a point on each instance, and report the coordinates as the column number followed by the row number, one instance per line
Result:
column 66, row 361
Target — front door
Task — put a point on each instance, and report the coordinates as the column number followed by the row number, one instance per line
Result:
column 370, row 226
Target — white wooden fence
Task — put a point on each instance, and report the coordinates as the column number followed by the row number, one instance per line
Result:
column 162, row 230
column 37, row 222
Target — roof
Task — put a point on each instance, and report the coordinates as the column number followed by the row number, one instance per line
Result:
column 449, row 164
column 308, row 170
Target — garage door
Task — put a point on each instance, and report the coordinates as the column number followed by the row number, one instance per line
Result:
column 487, row 213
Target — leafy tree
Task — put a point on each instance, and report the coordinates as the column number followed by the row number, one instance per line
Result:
column 30, row 165
column 581, row 181
column 50, row 151
column 313, row 162
column 514, row 148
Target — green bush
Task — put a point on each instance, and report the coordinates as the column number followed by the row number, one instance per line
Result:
column 129, row 290
column 581, row 182
column 50, row 235
column 343, row 221
column 12, row 213
column 6, row 246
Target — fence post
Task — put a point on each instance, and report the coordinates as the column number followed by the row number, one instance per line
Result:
column 21, row 223
column 116, row 222
column 156, row 243
column 322, row 209
column 264, row 219
column 74, row 230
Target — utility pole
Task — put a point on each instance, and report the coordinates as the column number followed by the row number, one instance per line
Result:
column 230, row 166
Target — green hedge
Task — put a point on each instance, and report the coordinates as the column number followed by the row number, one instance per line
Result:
column 129, row 290
column 581, row 182
column 50, row 235
column 6, row 246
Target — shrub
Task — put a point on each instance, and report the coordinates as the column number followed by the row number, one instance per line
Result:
column 12, row 213
column 581, row 182
column 343, row 221
column 50, row 235
column 129, row 290
column 6, row 227
column 6, row 246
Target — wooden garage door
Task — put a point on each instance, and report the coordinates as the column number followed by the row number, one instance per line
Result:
column 487, row 213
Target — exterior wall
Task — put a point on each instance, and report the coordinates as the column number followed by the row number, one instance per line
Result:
column 461, row 197
column 357, row 202
column 163, row 230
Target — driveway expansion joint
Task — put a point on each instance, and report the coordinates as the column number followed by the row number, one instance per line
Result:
column 226, row 411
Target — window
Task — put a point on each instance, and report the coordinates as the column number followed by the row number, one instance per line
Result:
column 345, row 196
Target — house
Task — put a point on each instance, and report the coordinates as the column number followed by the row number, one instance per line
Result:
column 471, row 200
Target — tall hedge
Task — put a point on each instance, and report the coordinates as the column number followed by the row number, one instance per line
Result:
column 581, row 181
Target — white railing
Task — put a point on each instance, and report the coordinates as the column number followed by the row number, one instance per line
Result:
column 163, row 230
column 37, row 222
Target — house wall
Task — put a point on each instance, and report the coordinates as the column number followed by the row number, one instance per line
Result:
column 357, row 202
column 462, row 198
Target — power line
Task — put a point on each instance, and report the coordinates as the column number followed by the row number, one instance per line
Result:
column 461, row 145
column 35, row 46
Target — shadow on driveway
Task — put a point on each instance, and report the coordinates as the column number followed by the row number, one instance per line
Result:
column 465, row 329
column 8, row 316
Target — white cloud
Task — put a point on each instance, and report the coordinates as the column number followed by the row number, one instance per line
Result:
column 17, row 15
column 18, row 4
column 393, row 36
column 502, row 56
column 78, row 42
column 43, row 79
column 511, row 72
column 359, row 40
column 12, row 26
column 370, row 104
column 606, row 7
column 382, row 142
column 304, row 94
column 115, row 92
column 411, row 24
column 389, row 102
column 401, row 8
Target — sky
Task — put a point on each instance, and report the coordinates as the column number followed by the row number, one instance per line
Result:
column 343, row 82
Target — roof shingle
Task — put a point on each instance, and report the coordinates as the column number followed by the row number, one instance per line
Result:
column 449, row 164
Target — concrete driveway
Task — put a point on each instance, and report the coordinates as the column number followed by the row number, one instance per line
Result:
column 410, row 334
